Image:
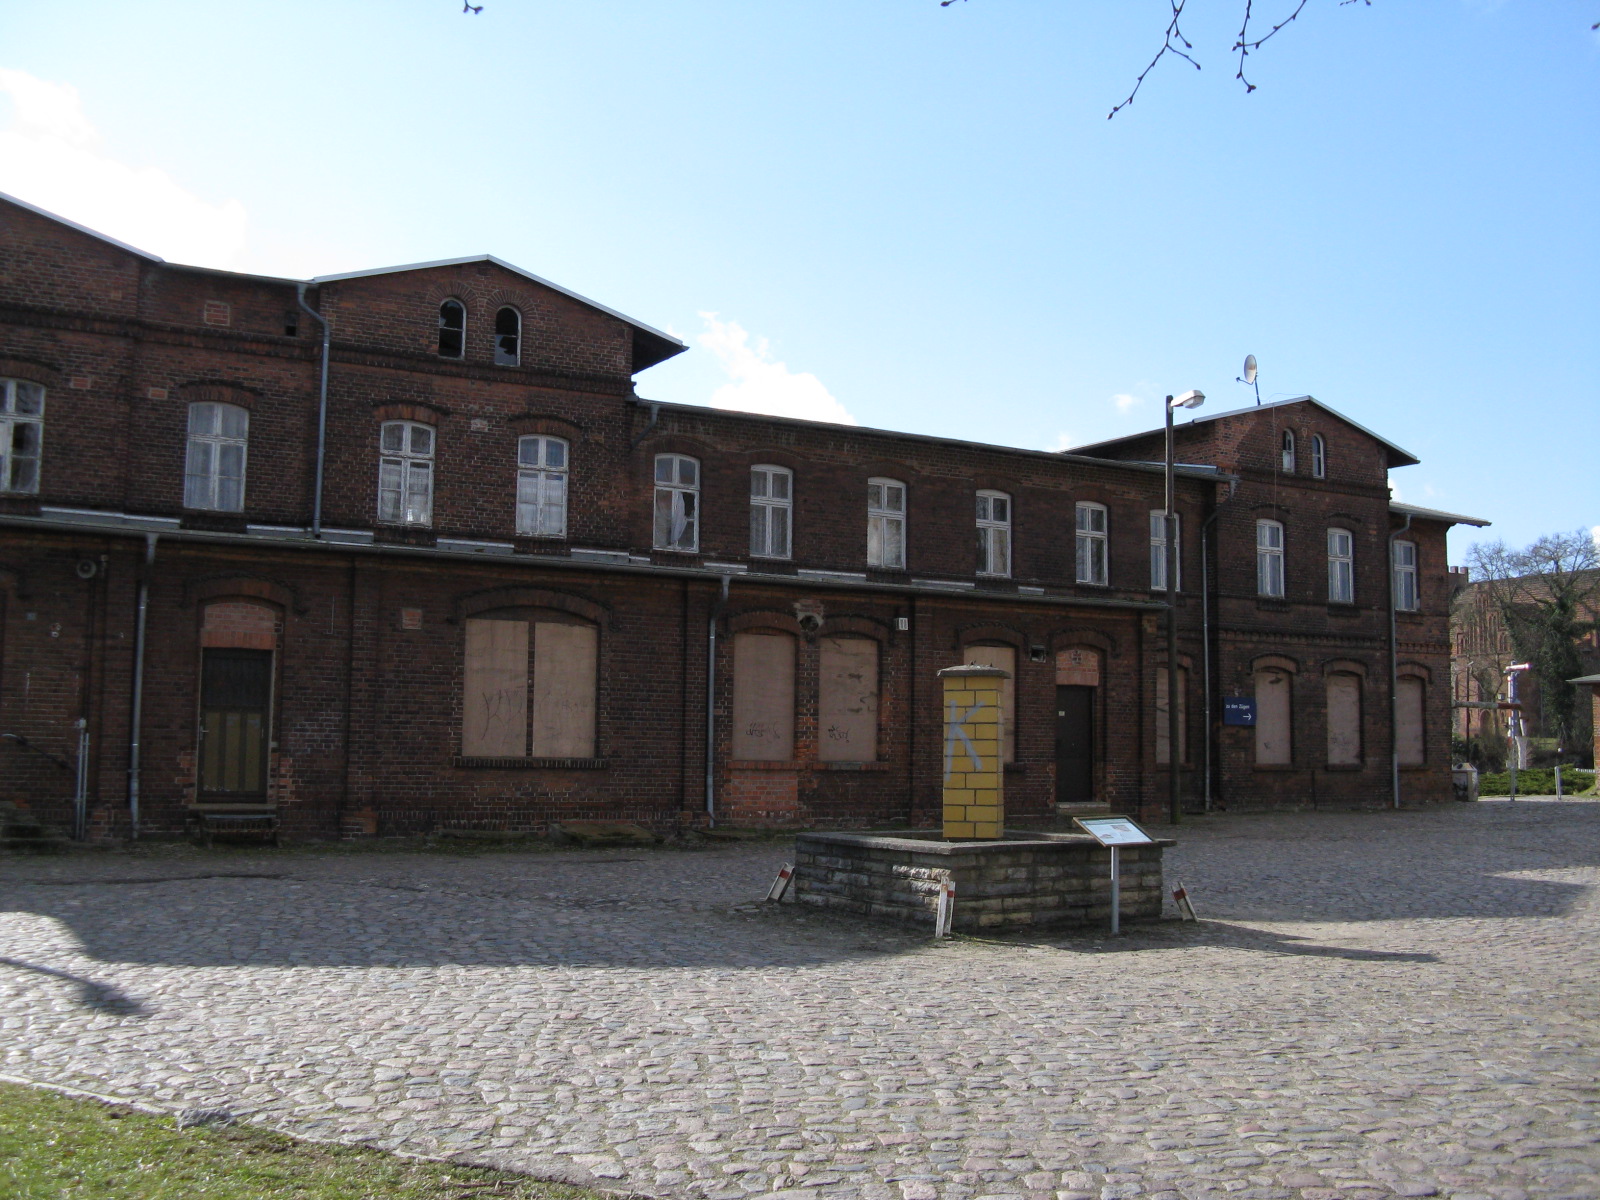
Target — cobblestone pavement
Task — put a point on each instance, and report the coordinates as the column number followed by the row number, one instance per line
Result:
column 1375, row 1004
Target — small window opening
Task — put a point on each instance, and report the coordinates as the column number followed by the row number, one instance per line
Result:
column 291, row 323
column 452, row 329
column 508, row 338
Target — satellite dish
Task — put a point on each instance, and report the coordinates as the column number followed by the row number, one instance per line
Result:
column 1249, row 368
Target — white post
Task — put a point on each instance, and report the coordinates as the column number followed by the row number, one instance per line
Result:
column 1116, row 892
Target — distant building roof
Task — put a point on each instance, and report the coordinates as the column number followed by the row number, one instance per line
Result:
column 1397, row 456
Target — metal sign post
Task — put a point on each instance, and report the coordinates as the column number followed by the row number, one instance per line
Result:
column 1113, row 833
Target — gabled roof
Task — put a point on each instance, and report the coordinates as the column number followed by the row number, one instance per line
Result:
column 1433, row 514
column 653, row 347
column 100, row 237
column 1397, row 456
column 660, row 346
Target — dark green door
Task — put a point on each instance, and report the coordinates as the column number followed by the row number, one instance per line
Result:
column 235, row 710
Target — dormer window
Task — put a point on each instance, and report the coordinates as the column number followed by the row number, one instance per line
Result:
column 507, row 338
column 1288, row 452
column 452, row 329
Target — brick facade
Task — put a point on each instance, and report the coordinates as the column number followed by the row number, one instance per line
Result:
column 357, row 638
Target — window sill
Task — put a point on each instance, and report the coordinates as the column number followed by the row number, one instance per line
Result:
column 766, row 764
column 1344, row 768
column 853, row 766
column 1343, row 608
column 524, row 764
column 1272, row 603
column 1271, row 767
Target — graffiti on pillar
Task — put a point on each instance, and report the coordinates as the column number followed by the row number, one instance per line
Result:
column 955, row 731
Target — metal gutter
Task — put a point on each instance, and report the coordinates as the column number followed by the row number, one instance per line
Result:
column 120, row 525
column 1433, row 514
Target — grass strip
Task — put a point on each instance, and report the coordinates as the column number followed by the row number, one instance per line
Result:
column 55, row 1147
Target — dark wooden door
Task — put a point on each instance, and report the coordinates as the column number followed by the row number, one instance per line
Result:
column 1074, row 745
column 235, row 706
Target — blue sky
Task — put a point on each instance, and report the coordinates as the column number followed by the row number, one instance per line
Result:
column 910, row 216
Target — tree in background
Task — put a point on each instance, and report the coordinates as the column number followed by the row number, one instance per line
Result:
column 1547, row 597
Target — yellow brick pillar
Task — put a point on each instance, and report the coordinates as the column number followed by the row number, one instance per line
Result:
column 974, row 795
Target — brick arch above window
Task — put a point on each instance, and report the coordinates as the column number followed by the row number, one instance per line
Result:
column 459, row 288
column 887, row 468
column 527, row 597
column 779, row 622
column 852, row 626
column 421, row 411
column 969, row 635
column 217, row 393
column 775, row 456
column 33, row 372
column 525, row 302
column 242, row 587
column 1269, row 511
column 677, row 443
column 1089, row 639
column 1281, row 662
column 1159, row 663
column 551, row 426
column 240, row 624
column 1344, row 666
column 1414, row 670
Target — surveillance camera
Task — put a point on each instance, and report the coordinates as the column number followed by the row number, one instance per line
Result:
column 810, row 622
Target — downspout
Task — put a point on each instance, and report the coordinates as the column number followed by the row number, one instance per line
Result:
column 322, row 411
column 655, row 416
column 1205, row 639
column 1394, row 674
column 711, row 704
column 138, row 685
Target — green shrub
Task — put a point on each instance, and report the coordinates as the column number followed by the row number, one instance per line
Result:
column 1537, row 781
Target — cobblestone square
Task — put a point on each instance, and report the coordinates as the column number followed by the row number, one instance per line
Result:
column 1375, row 1004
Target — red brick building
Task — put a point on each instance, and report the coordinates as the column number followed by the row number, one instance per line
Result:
column 452, row 572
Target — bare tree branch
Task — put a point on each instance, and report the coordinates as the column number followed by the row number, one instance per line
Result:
column 1166, row 48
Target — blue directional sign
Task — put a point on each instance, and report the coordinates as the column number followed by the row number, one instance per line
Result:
column 1238, row 710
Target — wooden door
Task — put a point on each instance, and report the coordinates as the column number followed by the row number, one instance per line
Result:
column 235, row 717
column 1075, row 744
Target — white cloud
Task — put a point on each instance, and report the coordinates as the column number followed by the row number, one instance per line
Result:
column 51, row 156
column 758, row 384
column 1064, row 441
column 1595, row 534
column 1124, row 401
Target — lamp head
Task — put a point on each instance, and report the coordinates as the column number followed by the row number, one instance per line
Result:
column 1192, row 399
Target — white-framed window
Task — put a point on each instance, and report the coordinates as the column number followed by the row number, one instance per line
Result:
column 1341, row 567
column 994, row 533
column 1288, row 452
column 452, row 329
column 771, row 510
column 1158, row 549
column 886, row 524
column 1319, row 457
column 1269, row 558
column 677, row 523
column 1091, row 519
column 405, row 473
column 21, row 434
column 1406, row 596
column 507, row 338
column 213, row 472
column 541, row 486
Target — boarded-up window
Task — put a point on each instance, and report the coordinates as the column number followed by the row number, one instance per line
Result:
column 847, row 700
column 1344, row 720
column 1408, row 721
column 1004, row 657
column 495, row 709
column 1272, row 717
column 763, row 696
column 564, row 670
column 1163, row 729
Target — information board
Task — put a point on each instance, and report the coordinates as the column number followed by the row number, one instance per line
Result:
column 1113, row 831
column 1238, row 710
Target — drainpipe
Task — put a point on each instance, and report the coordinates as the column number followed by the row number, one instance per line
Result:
column 655, row 416
column 1205, row 628
column 711, row 703
column 322, row 411
column 138, row 685
column 1394, row 674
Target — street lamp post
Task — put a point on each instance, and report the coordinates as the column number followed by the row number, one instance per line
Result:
column 1193, row 399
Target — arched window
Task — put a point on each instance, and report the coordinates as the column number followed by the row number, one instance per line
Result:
column 529, row 685
column 1409, row 722
column 21, row 433
column 1319, row 456
column 847, row 699
column 405, row 473
column 541, row 486
column 771, row 507
column 886, row 524
column 452, row 329
column 1092, row 567
column 994, row 533
column 1344, row 719
column 677, row 511
column 1288, row 451
column 1274, row 709
column 213, row 473
column 1269, row 558
column 507, row 338
column 1341, row 567
column 763, row 696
